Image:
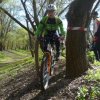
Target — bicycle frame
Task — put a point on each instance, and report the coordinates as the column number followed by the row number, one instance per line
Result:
column 47, row 66
column 49, row 61
column 50, row 54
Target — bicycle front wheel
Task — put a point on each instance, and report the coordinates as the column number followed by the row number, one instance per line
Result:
column 44, row 78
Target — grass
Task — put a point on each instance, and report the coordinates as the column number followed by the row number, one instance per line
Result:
column 14, row 68
column 21, row 52
column 8, row 56
column 3, row 57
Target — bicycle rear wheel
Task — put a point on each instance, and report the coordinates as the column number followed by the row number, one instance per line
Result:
column 44, row 78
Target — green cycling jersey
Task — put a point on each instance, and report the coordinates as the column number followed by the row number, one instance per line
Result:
column 44, row 26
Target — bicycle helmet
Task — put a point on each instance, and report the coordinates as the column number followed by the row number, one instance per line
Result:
column 51, row 7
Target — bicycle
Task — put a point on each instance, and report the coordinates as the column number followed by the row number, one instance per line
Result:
column 48, row 66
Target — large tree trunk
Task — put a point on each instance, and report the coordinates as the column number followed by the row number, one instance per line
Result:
column 77, row 16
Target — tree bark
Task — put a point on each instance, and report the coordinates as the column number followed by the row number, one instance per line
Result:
column 36, row 47
column 77, row 16
column 35, row 13
column 31, row 43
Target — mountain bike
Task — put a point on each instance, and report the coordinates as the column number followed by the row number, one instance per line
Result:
column 48, row 66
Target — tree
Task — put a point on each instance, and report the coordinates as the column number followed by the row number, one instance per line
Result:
column 77, row 16
column 5, row 27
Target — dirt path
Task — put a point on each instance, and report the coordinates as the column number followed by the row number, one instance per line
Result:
column 13, row 58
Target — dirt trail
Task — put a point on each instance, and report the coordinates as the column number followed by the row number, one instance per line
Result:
column 14, row 58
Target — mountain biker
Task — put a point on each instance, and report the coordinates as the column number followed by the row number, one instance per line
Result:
column 96, row 38
column 47, row 31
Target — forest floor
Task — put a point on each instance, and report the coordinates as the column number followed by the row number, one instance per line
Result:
column 25, row 86
column 12, row 56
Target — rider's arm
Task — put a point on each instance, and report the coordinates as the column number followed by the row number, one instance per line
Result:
column 61, row 27
column 40, row 28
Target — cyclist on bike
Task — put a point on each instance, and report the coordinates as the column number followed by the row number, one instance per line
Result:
column 48, row 30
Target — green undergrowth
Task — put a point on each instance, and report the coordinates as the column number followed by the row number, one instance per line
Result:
column 2, row 55
column 21, row 52
column 91, row 89
column 91, row 58
column 96, row 63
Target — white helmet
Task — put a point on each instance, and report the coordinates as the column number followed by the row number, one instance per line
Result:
column 51, row 7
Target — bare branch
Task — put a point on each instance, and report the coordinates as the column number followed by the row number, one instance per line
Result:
column 96, row 6
column 35, row 13
column 27, row 15
column 41, row 8
column 6, row 12
column 25, row 1
column 63, row 10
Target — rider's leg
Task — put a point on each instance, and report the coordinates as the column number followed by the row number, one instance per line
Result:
column 57, row 43
column 44, row 43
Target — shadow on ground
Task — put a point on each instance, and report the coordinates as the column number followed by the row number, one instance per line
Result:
column 27, row 87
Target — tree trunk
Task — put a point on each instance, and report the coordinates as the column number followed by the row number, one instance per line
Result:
column 77, row 16
column 31, row 42
column 36, row 49
column 1, row 46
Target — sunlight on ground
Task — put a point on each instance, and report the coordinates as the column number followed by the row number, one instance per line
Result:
column 12, row 55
